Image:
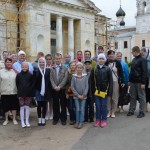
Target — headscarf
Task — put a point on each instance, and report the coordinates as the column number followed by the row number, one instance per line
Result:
column 43, row 75
column 77, row 56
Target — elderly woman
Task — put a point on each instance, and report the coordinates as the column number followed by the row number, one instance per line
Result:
column 118, row 79
column 8, row 91
column 43, row 89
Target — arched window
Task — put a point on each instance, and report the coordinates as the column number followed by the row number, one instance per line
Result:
column 40, row 43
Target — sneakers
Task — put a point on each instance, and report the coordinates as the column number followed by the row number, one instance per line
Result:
column 103, row 124
column 23, row 125
column 5, row 122
column 141, row 115
column 76, row 125
column 28, row 125
column 97, row 124
column 80, row 125
column 15, row 122
column 108, row 115
column 113, row 115
column 130, row 113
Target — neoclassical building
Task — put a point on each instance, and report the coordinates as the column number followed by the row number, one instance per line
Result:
column 47, row 25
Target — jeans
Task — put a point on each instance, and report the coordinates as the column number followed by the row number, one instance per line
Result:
column 71, row 108
column 101, row 108
column 80, row 110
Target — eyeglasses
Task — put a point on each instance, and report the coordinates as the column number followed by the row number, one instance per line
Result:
column 48, row 59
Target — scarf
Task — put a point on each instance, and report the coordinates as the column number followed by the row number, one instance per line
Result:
column 43, row 76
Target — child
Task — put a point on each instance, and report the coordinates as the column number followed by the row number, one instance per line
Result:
column 89, row 106
column 24, row 82
column 79, row 86
column 102, row 78
column 69, row 93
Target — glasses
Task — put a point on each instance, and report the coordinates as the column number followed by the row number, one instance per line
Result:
column 48, row 59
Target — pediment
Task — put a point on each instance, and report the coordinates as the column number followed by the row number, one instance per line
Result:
column 85, row 4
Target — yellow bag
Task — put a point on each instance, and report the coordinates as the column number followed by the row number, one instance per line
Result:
column 100, row 94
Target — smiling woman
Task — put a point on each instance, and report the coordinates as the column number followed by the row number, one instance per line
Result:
column 128, row 6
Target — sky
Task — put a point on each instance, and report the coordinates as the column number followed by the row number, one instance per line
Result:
column 110, row 7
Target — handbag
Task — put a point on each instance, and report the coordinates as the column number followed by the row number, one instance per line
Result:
column 97, row 92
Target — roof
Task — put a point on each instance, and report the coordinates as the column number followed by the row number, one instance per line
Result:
column 123, row 35
column 120, row 12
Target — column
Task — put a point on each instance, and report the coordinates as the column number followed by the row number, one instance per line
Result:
column 59, row 45
column 71, row 37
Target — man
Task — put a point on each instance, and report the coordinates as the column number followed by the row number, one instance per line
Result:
column 87, row 56
column 89, row 106
column 100, row 51
column 137, row 81
column 21, row 58
column 58, row 80
column 5, row 55
column 67, row 59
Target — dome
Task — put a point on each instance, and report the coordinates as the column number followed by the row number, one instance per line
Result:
column 122, row 23
column 120, row 12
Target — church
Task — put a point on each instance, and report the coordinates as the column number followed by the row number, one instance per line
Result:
column 123, row 38
column 50, row 26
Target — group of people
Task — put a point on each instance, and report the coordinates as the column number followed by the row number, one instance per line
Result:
column 73, row 86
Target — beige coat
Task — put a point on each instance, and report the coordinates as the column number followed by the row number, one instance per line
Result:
column 8, row 82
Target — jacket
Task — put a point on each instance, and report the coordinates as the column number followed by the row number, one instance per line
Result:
column 102, row 79
column 119, row 70
column 24, row 82
column 8, row 82
column 62, row 77
column 138, row 73
column 90, row 93
column 38, row 81
column 79, row 85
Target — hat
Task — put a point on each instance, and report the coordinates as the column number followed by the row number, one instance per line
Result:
column 21, row 53
column 88, row 61
column 101, row 56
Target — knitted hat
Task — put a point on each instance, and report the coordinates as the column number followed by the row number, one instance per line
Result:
column 21, row 53
column 102, row 56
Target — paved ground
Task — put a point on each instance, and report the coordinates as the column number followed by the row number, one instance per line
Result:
column 39, row 138
column 122, row 133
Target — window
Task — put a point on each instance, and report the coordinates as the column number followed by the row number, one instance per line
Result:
column 125, row 44
column 143, row 43
column 53, row 25
column 116, row 45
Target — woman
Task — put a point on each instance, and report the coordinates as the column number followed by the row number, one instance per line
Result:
column 123, row 91
column 9, row 91
column 118, row 79
column 14, row 58
column 43, row 89
column 49, row 113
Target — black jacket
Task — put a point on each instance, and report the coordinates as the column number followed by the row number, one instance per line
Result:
column 103, row 78
column 119, row 70
column 38, row 82
column 24, row 83
column 138, row 73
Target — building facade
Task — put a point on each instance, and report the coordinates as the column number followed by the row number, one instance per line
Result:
column 47, row 25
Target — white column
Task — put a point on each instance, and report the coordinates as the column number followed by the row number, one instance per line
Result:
column 59, row 45
column 71, row 37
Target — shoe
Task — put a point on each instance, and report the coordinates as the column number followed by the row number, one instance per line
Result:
column 141, row 115
column 113, row 115
column 130, row 113
column 103, row 124
column 63, row 123
column 23, row 125
column 46, row 118
column 15, row 122
column 80, row 125
column 91, row 120
column 86, row 120
column 43, row 124
column 51, row 117
column 28, row 125
column 55, row 122
column 97, row 123
column 108, row 115
column 39, row 124
column 76, row 125
column 72, row 122
column 5, row 122
column 121, row 110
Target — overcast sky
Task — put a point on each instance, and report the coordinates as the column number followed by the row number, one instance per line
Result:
column 110, row 7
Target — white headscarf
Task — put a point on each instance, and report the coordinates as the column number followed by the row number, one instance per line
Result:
column 43, row 76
